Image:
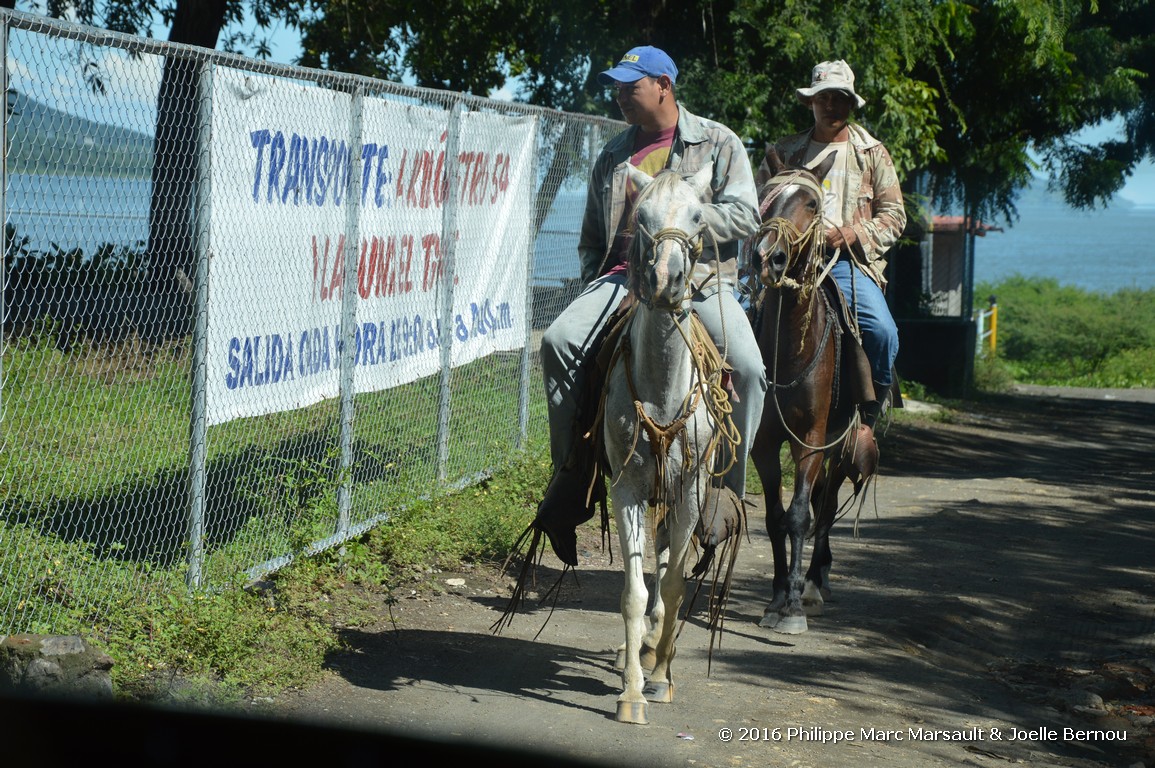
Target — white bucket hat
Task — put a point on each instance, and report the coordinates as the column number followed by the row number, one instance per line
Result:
column 831, row 76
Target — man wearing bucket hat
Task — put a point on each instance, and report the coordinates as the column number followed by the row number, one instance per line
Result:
column 864, row 214
column 662, row 134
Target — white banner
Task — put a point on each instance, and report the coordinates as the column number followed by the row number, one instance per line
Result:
column 281, row 158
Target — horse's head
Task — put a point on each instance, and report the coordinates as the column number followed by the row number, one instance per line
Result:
column 790, row 243
column 668, row 228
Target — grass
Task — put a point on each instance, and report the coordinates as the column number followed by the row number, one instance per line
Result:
column 1060, row 335
column 94, row 485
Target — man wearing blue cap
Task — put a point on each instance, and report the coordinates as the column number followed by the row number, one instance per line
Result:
column 662, row 134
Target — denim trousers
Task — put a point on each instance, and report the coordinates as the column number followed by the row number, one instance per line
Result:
column 868, row 304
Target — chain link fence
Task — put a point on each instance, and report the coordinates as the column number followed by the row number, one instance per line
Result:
column 251, row 309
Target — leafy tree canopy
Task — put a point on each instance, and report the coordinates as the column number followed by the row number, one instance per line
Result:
column 965, row 94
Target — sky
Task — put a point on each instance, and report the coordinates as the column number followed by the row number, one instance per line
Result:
column 1139, row 189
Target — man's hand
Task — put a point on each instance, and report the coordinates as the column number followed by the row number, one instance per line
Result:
column 837, row 237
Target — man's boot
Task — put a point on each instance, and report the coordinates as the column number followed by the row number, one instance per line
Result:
column 863, row 450
column 870, row 413
column 564, row 507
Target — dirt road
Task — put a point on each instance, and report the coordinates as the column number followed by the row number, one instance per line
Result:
column 997, row 607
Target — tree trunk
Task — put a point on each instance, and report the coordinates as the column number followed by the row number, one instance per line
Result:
column 175, row 151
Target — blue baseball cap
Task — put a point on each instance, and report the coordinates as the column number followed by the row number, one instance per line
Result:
column 643, row 61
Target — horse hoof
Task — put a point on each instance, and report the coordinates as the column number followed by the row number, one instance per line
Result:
column 791, row 625
column 632, row 712
column 659, row 693
column 784, row 625
column 620, row 660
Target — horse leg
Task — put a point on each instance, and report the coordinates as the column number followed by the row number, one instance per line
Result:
column 630, row 514
column 672, row 587
column 817, row 590
column 790, row 619
column 767, row 460
column 656, row 611
column 776, row 530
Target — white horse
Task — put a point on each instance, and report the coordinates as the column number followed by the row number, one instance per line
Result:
column 660, row 425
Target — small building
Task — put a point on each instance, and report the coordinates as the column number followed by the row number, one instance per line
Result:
column 931, row 295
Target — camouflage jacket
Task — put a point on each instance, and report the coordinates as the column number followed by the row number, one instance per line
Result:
column 731, row 213
column 876, row 213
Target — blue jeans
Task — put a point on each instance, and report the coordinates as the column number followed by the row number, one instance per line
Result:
column 879, row 333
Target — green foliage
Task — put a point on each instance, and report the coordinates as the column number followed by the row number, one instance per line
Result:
column 242, row 640
column 155, row 630
column 1053, row 334
column 962, row 91
column 479, row 523
column 992, row 374
column 969, row 93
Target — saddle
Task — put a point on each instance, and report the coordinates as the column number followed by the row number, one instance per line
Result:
column 858, row 365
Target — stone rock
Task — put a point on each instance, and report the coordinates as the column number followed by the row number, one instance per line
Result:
column 54, row 664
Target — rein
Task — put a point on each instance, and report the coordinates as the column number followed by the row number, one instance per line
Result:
column 707, row 361
column 808, row 244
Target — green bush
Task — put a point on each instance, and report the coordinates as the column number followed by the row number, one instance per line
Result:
column 1062, row 335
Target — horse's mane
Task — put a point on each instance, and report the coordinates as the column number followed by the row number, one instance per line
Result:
column 667, row 177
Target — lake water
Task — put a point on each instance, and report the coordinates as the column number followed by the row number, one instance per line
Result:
column 1104, row 250
column 76, row 212
column 1101, row 251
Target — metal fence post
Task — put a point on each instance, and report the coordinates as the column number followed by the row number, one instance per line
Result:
column 531, row 246
column 349, row 311
column 449, row 247
column 994, row 327
column 3, row 203
column 198, row 429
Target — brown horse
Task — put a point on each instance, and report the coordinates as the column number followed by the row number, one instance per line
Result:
column 810, row 402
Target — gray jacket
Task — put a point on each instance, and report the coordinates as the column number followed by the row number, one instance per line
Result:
column 731, row 212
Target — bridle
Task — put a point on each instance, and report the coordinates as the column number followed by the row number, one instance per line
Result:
column 808, row 243
column 691, row 247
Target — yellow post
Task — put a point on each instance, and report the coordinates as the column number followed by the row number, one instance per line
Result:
column 994, row 326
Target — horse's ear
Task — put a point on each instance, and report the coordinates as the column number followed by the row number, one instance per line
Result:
column 824, row 167
column 702, row 182
column 773, row 160
column 638, row 179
